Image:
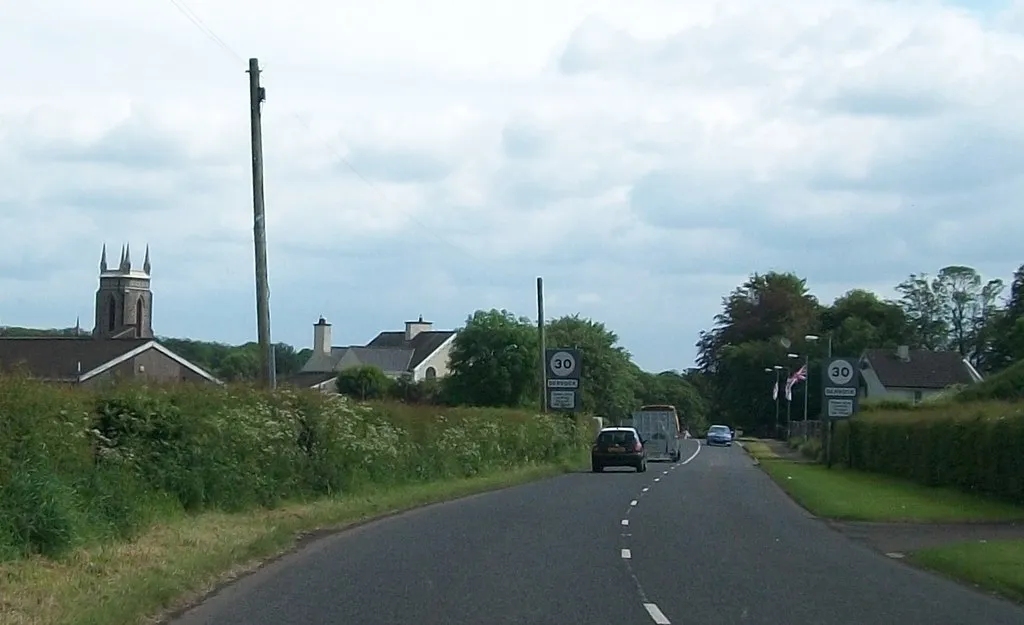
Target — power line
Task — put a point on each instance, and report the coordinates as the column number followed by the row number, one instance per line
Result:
column 223, row 45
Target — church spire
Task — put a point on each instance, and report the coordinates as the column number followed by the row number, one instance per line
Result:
column 103, row 259
column 145, row 264
column 126, row 264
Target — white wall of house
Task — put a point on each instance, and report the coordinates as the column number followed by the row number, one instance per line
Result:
column 436, row 364
column 873, row 387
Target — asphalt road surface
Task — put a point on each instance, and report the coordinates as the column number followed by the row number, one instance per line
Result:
column 705, row 541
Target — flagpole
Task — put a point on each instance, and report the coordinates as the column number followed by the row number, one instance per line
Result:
column 789, row 407
column 777, row 371
column 807, row 383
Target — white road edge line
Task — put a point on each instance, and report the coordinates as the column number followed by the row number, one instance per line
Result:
column 694, row 454
column 626, row 555
column 625, row 521
column 657, row 614
column 633, row 503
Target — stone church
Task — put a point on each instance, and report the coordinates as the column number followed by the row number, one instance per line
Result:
column 122, row 344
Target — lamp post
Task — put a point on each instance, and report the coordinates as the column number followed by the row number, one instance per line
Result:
column 776, row 369
column 810, row 338
column 789, row 401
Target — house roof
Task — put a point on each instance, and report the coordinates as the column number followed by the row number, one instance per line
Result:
column 924, row 368
column 78, row 358
column 387, row 359
column 422, row 345
column 307, row 379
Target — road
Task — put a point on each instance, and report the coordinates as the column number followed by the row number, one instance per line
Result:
column 709, row 540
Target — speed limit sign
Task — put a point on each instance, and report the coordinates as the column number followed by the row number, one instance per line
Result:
column 562, row 364
column 839, row 372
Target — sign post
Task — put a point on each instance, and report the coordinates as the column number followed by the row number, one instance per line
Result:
column 839, row 395
column 563, row 379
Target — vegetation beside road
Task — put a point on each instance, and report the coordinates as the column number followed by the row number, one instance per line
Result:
column 94, row 481
column 852, row 495
column 997, row 566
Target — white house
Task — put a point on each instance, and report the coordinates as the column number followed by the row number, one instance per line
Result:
column 912, row 374
column 419, row 353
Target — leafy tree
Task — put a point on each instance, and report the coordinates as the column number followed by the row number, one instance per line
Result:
column 922, row 301
column 672, row 387
column 859, row 320
column 364, row 383
column 606, row 380
column 1005, row 330
column 494, row 361
column 970, row 307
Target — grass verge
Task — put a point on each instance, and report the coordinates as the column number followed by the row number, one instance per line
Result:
column 759, row 450
column 177, row 562
column 996, row 566
column 856, row 496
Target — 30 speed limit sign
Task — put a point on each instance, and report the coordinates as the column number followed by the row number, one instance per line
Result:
column 562, row 364
column 839, row 372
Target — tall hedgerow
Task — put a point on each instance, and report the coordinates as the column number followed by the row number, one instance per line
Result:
column 80, row 465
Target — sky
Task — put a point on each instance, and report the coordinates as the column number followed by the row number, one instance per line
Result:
column 433, row 159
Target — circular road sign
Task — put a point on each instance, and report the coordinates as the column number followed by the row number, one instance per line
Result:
column 562, row 364
column 840, row 372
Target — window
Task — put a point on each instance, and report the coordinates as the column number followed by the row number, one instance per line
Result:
column 917, row 397
column 431, row 373
column 140, row 310
column 111, row 313
column 616, row 437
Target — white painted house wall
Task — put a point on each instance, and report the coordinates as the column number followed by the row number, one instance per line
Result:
column 438, row 361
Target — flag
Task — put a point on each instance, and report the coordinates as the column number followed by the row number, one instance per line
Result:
column 801, row 374
column 775, row 391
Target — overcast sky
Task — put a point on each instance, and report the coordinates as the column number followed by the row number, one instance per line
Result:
column 436, row 157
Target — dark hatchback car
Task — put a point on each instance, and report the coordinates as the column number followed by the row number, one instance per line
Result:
column 618, row 447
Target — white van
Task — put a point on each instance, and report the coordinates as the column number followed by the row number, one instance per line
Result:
column 659, row 430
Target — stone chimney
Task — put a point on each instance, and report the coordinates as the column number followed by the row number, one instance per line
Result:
column 903, row 353
column 322, row 337
column 412, row 328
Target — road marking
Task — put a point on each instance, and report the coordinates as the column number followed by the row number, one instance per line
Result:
column 664, row 472
column 694, row 454
column 625, row 521
column 626, row 555
column 633, row 503
column 657, row 479
column 646, row 488
column 657, row 614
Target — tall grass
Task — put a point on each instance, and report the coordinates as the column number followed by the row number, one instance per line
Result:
column 80, row 465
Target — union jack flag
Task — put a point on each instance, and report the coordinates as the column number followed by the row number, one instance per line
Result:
column 801, row 374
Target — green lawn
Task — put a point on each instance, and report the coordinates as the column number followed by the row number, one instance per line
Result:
column 760, row 450
column 997, row 566
column 856, row 496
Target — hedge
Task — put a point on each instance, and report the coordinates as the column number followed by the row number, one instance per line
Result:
column 976, row 447
column 80, row 465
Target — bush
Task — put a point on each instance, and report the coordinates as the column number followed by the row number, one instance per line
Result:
column 973, row 447
column 82, row 464
column 1007, row 385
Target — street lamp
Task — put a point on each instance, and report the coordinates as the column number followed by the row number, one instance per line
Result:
column 776, row 369
column 811, row 338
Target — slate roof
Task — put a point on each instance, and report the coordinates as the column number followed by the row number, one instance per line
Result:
column 57, row 358
column 924, row 368
column 307, row 379
column 423, row 344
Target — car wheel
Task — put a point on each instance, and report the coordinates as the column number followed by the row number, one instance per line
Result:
column 596, row 468
column 642, row 467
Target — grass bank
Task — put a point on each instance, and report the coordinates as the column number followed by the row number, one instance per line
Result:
column 845, row 494
column 996, row 566
column 181, row 559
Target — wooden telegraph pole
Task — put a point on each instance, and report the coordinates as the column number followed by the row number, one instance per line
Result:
column 257, row 95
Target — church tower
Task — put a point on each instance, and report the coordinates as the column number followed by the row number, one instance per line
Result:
column 124, row 301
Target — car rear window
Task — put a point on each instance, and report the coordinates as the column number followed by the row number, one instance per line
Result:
column 615, row 438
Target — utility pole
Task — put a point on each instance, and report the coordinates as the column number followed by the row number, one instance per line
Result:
column 543, row 347
column 257, row 95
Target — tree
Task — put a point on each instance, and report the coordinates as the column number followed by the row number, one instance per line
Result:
column 922, row 301
column 672, row 387
column 494, row 361
column 606, row 370
column 859, row 320
column 1006, row 327
column 970, row 306
column 364, row 383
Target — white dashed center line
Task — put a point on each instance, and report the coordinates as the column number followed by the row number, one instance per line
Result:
column 657, row 479
column 646, row 488
column 633, row 503
column 625, row 521
column 657, row 614
column 626, row 555
column 664, row 472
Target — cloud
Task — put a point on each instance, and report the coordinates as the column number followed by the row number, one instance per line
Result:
column 642, row 158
